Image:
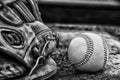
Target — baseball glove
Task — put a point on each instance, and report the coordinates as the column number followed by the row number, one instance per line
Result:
column 25, row 42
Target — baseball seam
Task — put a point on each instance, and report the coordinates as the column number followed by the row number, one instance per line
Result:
column 87, row 56
column 105, row 51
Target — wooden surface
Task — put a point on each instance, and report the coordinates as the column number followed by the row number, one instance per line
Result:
column 78, row 2
column 80, row 14
column 68, row 72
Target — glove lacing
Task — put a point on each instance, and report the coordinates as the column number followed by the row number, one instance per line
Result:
column 38, row 59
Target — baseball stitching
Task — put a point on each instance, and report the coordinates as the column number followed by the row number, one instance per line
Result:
column 87, row 56
column 105, row 51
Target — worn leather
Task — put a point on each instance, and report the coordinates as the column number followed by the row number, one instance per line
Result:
column 25, row 41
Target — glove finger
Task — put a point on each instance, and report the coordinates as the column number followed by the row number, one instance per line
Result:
column 11, row 71
column 34, row 7
column 7, row 74
column 16, row 70
column 7, row 1
column 24, row 11
column 2, row 76
column 8, row 15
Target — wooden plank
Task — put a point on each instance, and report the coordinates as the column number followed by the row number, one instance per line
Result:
column 78, row 2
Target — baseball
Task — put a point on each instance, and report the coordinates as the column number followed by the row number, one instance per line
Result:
column 88, row 52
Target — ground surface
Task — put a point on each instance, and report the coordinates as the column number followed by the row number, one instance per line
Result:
column 67, row 72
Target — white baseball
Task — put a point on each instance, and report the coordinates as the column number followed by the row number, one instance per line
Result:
column 88, row 52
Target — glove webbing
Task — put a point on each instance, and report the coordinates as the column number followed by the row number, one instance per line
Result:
column 20, row 11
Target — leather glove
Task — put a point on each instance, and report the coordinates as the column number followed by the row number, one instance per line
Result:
column 25, row 42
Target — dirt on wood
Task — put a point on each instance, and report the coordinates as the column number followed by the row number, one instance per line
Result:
column 68, row 72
